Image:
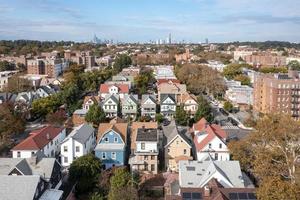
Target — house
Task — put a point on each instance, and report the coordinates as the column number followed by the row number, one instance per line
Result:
column 110, row 105
column 168, row 105
column 81, row 141
column 89, row 101
column 26, row 97
column 210, row 138
column 190, row 104
column 7, row 97
column 212, row 190
column 21, row 187
column 144, row 158
column 129, row 106
column 130, row 71
column 195, row 174
column 160, row 81
column 177, row 145
column 148, row 105
column 171, row 88
column 78, row 117
column 113, row 89
column 48, row 169
column 46, row 140
column 112, row 143
column 45, row 91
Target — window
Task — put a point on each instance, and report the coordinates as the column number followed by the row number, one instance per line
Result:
column 65, row 148
column 145, row 157
column 216, row 156
column 113, row 155
column 65, row 159
column 168, row 150
column 103, row 155
column 77, row 148
column 152, row 157
column 220, row 145
column 209, row 145
column 143, row 146
column 18, row 154
column 184, row 151
column 106, row 140
column 32, row 153
column 51, row 142
column 152, row 167
column 116, row 139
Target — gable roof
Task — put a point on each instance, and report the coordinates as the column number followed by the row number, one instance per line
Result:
column 123, row 88
column 134, row 128
column 147, row 134
column 145, row 97
column 211, row 131
column 38, row 139
column 131, row 97
column 197, row 174
column 120, row 128
column 18, row 187
column 81, row 133
column 187, row 96
column 113, row 97
column 95, row 99
column 171, row 132
column 164, row 97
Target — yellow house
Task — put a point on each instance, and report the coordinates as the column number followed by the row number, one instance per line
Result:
column 177, row 146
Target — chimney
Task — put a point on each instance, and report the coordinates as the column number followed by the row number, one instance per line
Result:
column 207, row 191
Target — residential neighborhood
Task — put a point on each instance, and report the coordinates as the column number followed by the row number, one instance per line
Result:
column 130, row 100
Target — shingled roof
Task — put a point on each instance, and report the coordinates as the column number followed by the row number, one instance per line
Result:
column 38, row 139
column 120, row 128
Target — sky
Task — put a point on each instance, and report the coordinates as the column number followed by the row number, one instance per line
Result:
column 144, row 20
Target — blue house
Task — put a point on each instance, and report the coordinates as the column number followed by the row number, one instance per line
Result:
column 111, row 146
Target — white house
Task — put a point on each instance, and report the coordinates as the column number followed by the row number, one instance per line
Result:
column 113, row 89
column 148, row 105
column 89, row 101
column 79, row 142
column 190, row 104
column 46, row 140
column 168, row 105
column 210, row 139
column 110, row 105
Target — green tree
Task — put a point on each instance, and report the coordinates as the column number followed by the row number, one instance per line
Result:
column 294, row 65
column 97, row 196
column 232, row 70
column 41, row 107
column 228, row 106
column 204, row 110
column 85, row 171
column 95, row 115
column 245, row 80
column 181, row 116
column 159, row 118
column 122, row 186
column 122, row 61
column 142, row 81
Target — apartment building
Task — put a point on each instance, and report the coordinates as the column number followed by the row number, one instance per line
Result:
column 277, row 93
column 50, row 66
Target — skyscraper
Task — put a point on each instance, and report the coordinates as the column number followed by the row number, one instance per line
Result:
column 170, row 39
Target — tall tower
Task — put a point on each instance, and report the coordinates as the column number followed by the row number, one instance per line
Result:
column 170, row 39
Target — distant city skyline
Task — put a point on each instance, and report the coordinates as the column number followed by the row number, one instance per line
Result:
column 143, row 20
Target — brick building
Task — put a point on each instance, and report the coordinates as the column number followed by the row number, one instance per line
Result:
column 275, row 93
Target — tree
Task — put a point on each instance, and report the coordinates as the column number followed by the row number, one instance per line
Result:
column 271, row 153
column 294, row 65
column 122, row 61
column 228, row 106
column 232, row 70
column 10, row 122
column 159, row 118
column 204, row 110
column 245, row 80
column 122, row 186
column 85, row 171
column 142, row 81
column 41, row 107
column 181, row 116
column 95, row 115
column 6, row 66
column 201, row 79
column 57, row 118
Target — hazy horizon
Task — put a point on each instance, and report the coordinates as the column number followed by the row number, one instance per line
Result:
column 135, row 21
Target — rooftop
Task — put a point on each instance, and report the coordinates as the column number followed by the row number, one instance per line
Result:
column 146, row 134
